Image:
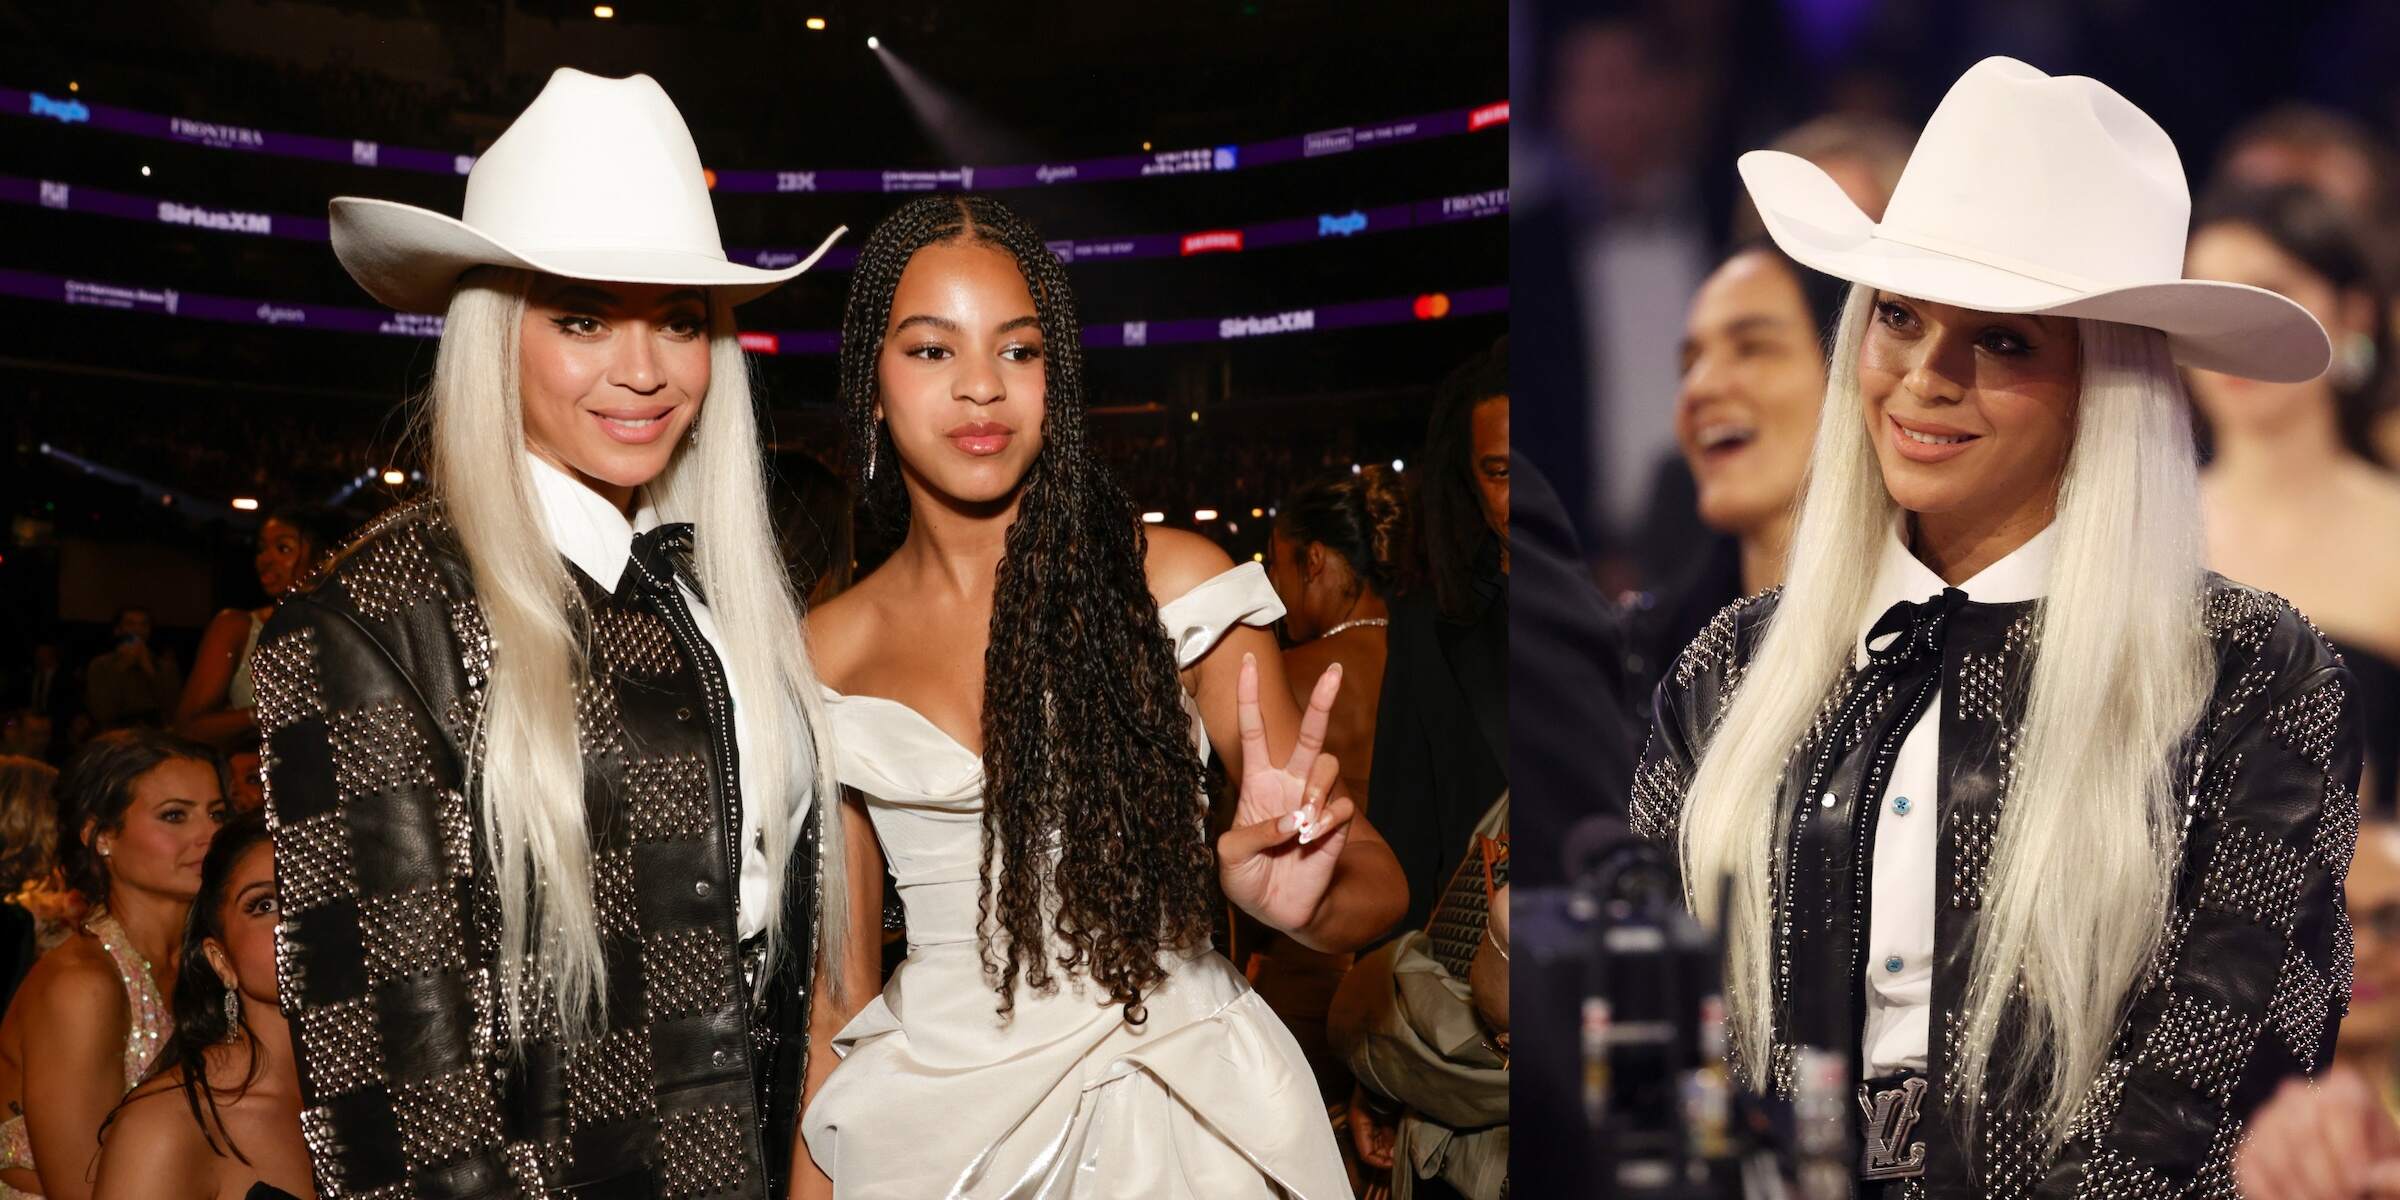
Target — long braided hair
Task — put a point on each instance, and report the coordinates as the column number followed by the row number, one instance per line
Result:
column 1094, row 829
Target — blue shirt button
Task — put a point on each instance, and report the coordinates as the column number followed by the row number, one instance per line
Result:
column 1900, row 807
column 1892, row 964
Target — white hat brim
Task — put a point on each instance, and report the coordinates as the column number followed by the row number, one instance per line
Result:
column 2229, row 327
column 410, row 258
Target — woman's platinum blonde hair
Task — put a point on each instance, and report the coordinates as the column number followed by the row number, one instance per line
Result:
column 528, row 765
column 2080, row 882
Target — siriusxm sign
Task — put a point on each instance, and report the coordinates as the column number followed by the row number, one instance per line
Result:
column 1329, row 225
column 66, row 112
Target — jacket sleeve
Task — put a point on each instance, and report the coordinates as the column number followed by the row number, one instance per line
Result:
column 374, row 860
column 2253, row 977
column 1683, row 712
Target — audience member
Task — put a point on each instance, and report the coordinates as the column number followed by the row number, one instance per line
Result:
column 28, row 865
column 2293, row 500
column 136, row 810
column 2322, row 150
column 1423, row 1022
column 1333, row 559
column 1864, row 154
column 1441, row 731
column 132, row 683
column 217, row 700
column 1745, row 420
column 221, row 1115
column 42, row 702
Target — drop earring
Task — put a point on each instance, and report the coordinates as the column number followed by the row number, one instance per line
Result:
column 233, row 1014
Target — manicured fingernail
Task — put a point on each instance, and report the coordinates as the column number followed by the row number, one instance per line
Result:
column 1249, row 659
column 1290, row 822
column 1335, row 670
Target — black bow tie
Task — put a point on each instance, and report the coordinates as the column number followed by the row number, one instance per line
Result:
column 1909, row 631
column 659, row 553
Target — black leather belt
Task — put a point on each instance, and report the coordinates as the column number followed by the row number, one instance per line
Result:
column 1889, row 1109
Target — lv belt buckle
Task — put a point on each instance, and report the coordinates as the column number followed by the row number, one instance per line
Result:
column 1890, row 1109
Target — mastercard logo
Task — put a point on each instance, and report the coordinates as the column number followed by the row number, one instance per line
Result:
column 1432, row 306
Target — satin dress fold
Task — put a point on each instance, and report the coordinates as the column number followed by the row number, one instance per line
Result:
column 938, row 1096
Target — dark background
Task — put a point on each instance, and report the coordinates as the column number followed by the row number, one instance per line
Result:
column 212, row 411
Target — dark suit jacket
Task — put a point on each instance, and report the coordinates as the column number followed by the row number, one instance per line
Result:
column 1571, row 752
column 1441, row 740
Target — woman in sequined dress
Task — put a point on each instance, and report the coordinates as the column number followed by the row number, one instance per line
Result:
column 2032, row 830
column 230, row 1128
column 137, row 809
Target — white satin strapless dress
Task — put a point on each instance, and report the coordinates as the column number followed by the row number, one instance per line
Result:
column 937, row 1096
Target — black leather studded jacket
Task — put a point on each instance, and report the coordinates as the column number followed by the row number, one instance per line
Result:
column 2254, row 974
column 369, row 685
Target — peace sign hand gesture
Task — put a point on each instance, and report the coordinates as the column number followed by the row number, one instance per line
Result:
column 1278, row 859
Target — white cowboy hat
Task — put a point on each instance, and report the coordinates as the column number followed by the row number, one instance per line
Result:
column 597, row 179
column 2033, row 194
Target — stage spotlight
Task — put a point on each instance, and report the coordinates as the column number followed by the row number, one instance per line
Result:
column 1204, row 515
column 1145, row 145
column 603, row 11
column 817, row 23
column 959, row 130
column 73, row 86
column 245, row 503
column 1397, row 465
column 1154, row 518
column 394, row 477
column 1258, row 512
column 145, row 170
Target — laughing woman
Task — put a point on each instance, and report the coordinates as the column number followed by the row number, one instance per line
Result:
column 539, row 746
column 2033, row 819
column 1026, row 689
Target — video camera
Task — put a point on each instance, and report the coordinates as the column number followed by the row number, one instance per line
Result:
column 1643, row 1105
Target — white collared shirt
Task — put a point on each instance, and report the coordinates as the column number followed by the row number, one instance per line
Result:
column 599, row 540
column 1900, row 913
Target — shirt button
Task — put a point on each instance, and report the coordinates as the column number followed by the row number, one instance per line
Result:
column 1826, row 800
column 1893, row 964
column 1900, row 807
column 701, row 888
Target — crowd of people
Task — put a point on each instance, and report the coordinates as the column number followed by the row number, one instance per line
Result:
column 280, row 929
